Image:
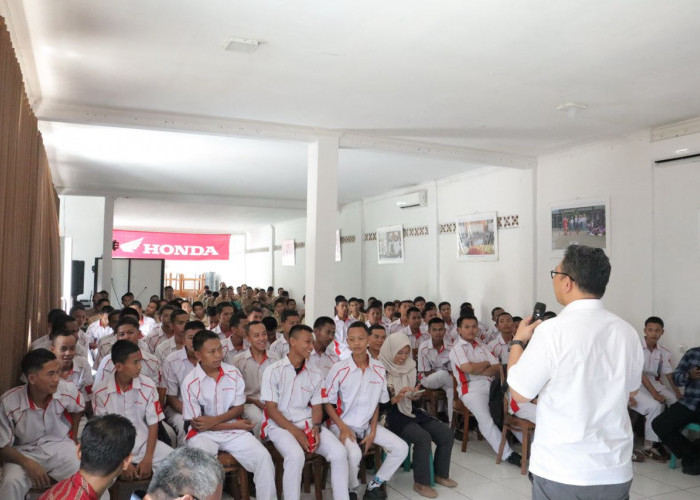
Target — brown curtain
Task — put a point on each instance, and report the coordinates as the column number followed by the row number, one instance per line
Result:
column 30, row 271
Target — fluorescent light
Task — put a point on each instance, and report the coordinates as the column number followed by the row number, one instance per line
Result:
column 238, row 44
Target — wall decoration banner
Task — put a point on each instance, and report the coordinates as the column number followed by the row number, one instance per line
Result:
column 390, row 244
column 288, row 253
column 170, row 246
column 477, row 237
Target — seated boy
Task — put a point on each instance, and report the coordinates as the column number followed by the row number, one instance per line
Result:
column 280, row 347
column 434, row 370
column 356, row 386
column 213, row 395
column 291, row 391
column 36, row 423
column 327, row 350
column 178, row 320
column 128, row 393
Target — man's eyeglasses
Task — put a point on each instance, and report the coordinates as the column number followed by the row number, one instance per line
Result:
column 554, row 273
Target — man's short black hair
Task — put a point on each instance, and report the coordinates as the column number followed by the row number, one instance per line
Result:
column 76, row 307
column 412, row 309
column 222, row 305
column 588, row 267
column 211, row 311
column 434, row 321
column 270, row 323
column 375, row 305
column 377, row 327
column 178, row 312
column 106, row 310
column 339, row 299
column 166, row 307
column 359, row 324
column 129, row 311
column 195, row 325
column 419, row 299
column 59, row 323
column 60, row 333
column 127, row 294
column 136, row 303
column 201, row 337
column 463, row 318
column 498, row 318
column 321, row 321
column 495, row 309
column 254, row 310
column 127, row 320
column 197, row 303
column 253, row 323
column 297, row 329
column 444, row 303
column 35, row 360
column 122, row 349
column 105, row 443
column 280, row 300
column 654, row 319
column 288, row 314
column 236, row 319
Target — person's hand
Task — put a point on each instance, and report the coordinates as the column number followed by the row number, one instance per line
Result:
column 145, row 468
column 244, row 424
column 203, row 423
column 368, row 440
column 694, row 373
column 128, row 474
column 346, row 433
column 316, row 431
column 659, row 397
column 526, row 329
column 37, row 474
column 632, row 402
column 301, row 438
column 414, row 396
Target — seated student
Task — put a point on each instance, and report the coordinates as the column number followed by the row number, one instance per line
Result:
column 104, row 346
column 213, row 395
column 36, row 424
column 252, row 363
column 412, row 330
column 353, row 390
column 291, row 391
column 653, row 397
column 388, row 317
column 212, row 318
column 271, row 327
column 327, row 350
column 99, row 328
column 434, row 370
column 355, row 312
column 175, row 368
column 163, row 330
column 342, row 319
column 199, row 313
column 280, row 347
column 493, row 331
column 377, row 336
column 451, row 335
column 429, row 312
column 280, row 305
column 128, row 329
column 374, row 314
column 474, row 367
column 238, row 340
column 187, row 474
column 670, row 424
column 130, row 394
column 402, row 322
column 67, row 324
column 499, row 345
column 255, row 314
column 415, row 426
column 104, row 452
column 225, row 312
column 178, row 320
column 146, row 324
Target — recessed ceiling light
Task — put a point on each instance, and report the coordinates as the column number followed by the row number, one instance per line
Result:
column 238, row 44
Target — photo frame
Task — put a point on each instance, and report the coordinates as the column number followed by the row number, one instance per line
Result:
column 581, row 222
column 288, row 253
column 390, row 249
column 477, row 237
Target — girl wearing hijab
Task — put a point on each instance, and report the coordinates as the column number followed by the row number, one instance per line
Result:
column 417, row 427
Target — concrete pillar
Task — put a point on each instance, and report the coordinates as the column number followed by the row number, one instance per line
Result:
column 107, row 249
column 321, row 224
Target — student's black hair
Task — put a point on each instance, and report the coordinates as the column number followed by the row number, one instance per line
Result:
column 279, row 300
column 286, row 314
column 178, row 312
column 389, row 304
column 270, row 323
column 495, row 309
column 654, row 319
column 253, row 323
column 375, row 305
column 201, row 337
column 60, row 322
column 166, row 307
column 498, row 318
column 197, row 303
column 406, row 301
column 419, row 299
column 122, row 349
column 60, row 333
column 222, row 305
column 76, row 307
column 426, row 310
column 168, row 287
column 443, row 303
column 297, row 329
column 175, row 303
column 321, row 321
column 462, row 318
column 359, row 324
column 136, row 303
column 105, row 443
column 434, row 321
column 102, row 301
column 254, row 310
column 35, row 360
column 339, row 299
column 378, row 326
column 127, row 320
column 430, row 305
column 236, row 319
column 129, row 311
column 215, row 294
column 127, row 294
column 588, row 267
column 195, row 325
column 353, row 299
column 106, row 310
column 412, row 309
column 211, row 311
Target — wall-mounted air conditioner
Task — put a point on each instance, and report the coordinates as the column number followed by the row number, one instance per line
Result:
column 410, row 200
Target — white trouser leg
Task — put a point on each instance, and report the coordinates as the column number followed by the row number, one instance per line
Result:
column 353, row 454
column 331, row 449
column 668, row 394
column 255, row 415
column 160, row 453
column 254, row 458
column 293, row 456
column 527, row 411
column 650, row 408
column 477, row 401
column 175, row 420
column 204, row 442
column 396, row 450
column 441, row 379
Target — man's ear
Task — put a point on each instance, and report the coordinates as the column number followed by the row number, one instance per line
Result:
column 79, row 452
column 127, row 461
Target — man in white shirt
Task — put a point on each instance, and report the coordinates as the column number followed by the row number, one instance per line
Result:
column 374, row 315
column 412, row 330
column 402, row 322
column 342, row 319
column 506, row 329
column 280, row 347
column 582, row 366
column 377, row 336
column 327, row 351
column 163, row 331
column 434, row 369
column 147, row 325
column 388, row 317
column 178, row 320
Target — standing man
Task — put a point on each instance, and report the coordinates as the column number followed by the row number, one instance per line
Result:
column 582, row 366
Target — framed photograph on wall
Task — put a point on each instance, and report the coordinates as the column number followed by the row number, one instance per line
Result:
column 477, row 237
column 580, row 222
column 338, row 255
column 288, row 254
column 390, row 244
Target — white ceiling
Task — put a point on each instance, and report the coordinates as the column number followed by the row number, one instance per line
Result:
column 467, row 73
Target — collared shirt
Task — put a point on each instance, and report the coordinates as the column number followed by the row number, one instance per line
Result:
column 140, row 404
column 96, row 331
column 356, row 392
column 147, row 325
column 203, row 395
column 582, row 366
column 150, row 367
column 413, row 339
column 75, row 487
column 681, row 377
column 341, row 329
column 104, row 347
column 469, row 352
column 656, row 362
column 324, row 361
column 175, row 368
column 395, row 326
column 165, row 349
column 293, row 392
column 280, row 347
column 156, row 337
column 252, row 371
column 24, row 425
column 499, row 349
column 432, row 359
column 81, row 376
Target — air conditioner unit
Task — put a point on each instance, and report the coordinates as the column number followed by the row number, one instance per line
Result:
column 675, row 150
column 410, row 200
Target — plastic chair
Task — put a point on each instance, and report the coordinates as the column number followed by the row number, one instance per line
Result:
column 689, row 427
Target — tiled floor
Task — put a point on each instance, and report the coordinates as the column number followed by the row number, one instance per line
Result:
column 480, row 478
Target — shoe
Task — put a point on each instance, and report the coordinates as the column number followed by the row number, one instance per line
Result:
column 446, row 481
column 352, row 495
column 637, row 456
column 654, row 455
column 663, row 452
column 424, row 491
column 691, row 466
column 374, row 494
column 514, row 459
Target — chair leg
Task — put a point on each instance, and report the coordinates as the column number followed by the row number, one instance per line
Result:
column 499, row 456
column 526, row 449
column 243, row 483
column 306, row 478
column 318, row 479
column 465, row 432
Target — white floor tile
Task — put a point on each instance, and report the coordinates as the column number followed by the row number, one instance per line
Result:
column 643, row 485
column 677, row 495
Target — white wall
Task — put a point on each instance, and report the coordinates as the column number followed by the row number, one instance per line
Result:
column 259, row 265
column 292, row 278
column 349, row 270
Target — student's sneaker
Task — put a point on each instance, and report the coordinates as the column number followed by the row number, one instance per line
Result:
column 514, row 459
column 638, row 456
column 654, row 455
column 663, row 452
column 374, row 494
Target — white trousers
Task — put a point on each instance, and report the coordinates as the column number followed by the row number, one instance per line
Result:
column 477, row 401
column 441, row 379
column 651, row 408
column 175, row 420
column 255, row 415
column 60, row 460
column 329, row 448
column 527, row 411
column 396, row 450
column 251, row 454
column 160, row 453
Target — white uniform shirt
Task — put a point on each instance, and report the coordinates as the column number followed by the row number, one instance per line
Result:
column 104, row 347
column 175, row 368
column 45, row 343
column 395, row 326
column 25, row 426
column 252, row 371
column 156, row 337
column 355, row 392
column 415, row 341
column 469, row 352
column 81, row 376
column 147, row 325
column 430, row 358
column 279, row 348
column 499, row 349
column 140, row 404
column 150, row 367
column 582, row 366
column 324, row 361
column 165, row 349
column 293, row 393
column 657, row 363
column 341, row 329
column 202, row 395
column 96, row 331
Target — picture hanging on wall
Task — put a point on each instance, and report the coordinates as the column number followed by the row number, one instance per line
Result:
column 580, row 222
column 288, row 255
column 390, row 244
column 338, row 255
column 477, row 237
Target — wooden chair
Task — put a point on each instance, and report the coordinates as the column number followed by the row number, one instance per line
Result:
column 513, row 423
column 374, row 450
column 458, row 408
column 236, row 481
column 314, row 465
column 35, row 493
column 430, row 399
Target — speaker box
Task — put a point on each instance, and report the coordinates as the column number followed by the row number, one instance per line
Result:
column 77, row 277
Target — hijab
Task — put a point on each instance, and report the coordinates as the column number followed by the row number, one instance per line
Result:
column 399, row 376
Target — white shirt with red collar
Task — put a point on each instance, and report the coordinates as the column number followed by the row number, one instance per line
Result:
column 156, row 337
column 415, row 340
column 432, row 359
column 656, row 364
column 147, row 325
column 81, row 376
column 252, row 371
column 175, row 368
column 150, row 367
column 165, row 349
column 324, row 362
column 25, row 426
column 341, row 329
column 96, row 331
column 499, row 349
column 395, row 326
column 280, row 347
column 293, row 392
column 469, row 352
column 356, row 392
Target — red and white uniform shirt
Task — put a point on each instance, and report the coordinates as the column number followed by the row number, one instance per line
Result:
column 324, row 361
column 469, row 352
column 252, row 371
column 432, row 359
column 279, row 348
column 657, row 363
column 156, row 337
column 175, row 368
column 81, row 376
column 150, row 367
column 341, row 329
column 499, row 349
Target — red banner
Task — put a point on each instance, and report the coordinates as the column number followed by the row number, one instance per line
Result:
column 169, row 246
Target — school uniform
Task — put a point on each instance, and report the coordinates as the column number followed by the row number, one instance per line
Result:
column 96, row 331
column 280, row 347
column 413, row 339
column 156, row 337
column 473, row 390
column 233, row 351
column 396, row 326
column 356, row 394
column 341, row 329
column 104, row 347
column 45, row 343
column 324, row 361
column 147, row 325
column 150, row 367
column 165, row 349
column 203, row 395
column 499, row 349
column 252, row 373
column 81, row 376
column 294, row 394
column 39, row 434
column 657, row 364
column 437, row 360
column 385, row 322
column 175, row 368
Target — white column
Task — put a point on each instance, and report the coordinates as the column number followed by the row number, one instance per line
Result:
column 107, row 249
column 321, row 224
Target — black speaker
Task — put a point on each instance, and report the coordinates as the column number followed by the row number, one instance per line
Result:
column 77, row 279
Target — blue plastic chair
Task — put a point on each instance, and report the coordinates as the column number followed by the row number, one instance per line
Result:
column 689, row 427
